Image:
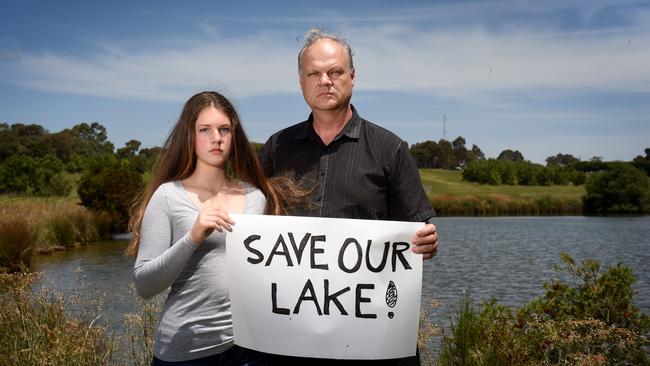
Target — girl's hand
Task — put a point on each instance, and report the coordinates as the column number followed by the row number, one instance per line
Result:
column 211, row 217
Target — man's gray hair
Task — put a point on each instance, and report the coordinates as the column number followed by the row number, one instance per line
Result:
column 314, row 34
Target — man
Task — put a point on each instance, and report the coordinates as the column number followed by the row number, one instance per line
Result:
column 354, row 168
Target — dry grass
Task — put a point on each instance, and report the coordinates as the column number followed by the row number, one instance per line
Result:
column 31, row 225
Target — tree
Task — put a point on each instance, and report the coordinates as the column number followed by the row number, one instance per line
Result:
column 130, row 149
column 510, row 155
column 113, row 189
column 21, row 139
column 643, row 163
column 477, row 153
column 34, row 176
column 425, row 154
column 621, row 188
column 561, row 160
column 87, row 140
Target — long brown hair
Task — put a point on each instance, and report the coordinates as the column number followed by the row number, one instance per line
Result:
column 177, row 161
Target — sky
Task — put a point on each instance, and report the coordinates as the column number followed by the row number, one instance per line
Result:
column 541, row 77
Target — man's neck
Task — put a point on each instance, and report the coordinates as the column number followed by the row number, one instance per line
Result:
column 329, row 123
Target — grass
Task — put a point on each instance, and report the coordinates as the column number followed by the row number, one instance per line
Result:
column 47, row 328
column 30, row 225
column 451, row 196
column 450, row 182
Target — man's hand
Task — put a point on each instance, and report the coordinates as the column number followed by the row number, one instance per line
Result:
column 426, row 241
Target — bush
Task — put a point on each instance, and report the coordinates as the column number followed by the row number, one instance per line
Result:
column 620, row 189
column 604, row 296
column 592, row 323
column 111, row 189
column 525, row 173
column 34, row 176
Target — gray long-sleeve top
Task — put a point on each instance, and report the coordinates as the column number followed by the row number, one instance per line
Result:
column 196, row 320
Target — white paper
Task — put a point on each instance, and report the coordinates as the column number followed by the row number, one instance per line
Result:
column 380, row 309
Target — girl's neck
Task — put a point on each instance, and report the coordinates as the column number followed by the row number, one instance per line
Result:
column 207, row 178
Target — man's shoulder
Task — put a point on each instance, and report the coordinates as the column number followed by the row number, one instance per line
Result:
column 289, row 133
column 377, row 133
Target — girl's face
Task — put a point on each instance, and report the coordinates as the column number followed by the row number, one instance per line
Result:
column 213, row 135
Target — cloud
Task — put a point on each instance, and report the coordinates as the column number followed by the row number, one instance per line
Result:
column 459, row 62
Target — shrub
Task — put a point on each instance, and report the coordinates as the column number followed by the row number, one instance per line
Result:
column 34, row 176
column 591, row 323
column 111, row 189
column 621, row 188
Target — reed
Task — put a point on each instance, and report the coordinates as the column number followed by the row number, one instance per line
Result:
column 36, row 330
column 504, row 205
column 30, row 225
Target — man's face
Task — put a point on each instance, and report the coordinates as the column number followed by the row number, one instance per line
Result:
column 326, row 79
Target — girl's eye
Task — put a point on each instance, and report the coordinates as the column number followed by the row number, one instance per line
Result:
column 203, row 130
column 223, row 131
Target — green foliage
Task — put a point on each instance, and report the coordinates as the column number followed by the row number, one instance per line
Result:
column 34, row 176
column 467, row 333
column 85, row 140
column 502, row 205
column 510, row 155
column 505, row 171
column 591, row 323
column 444, row 154
column 604, row 296
column 112, row 189
column 621, row 189
column 561, row 160
column 643, row 162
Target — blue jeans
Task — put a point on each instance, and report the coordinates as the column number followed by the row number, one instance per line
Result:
column 234, row 356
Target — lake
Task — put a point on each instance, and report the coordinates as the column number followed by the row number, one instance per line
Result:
column 507, row 258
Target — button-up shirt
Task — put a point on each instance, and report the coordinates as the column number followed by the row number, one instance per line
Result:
column 366, row 172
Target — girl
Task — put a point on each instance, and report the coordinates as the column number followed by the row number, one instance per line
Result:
column 207, row 169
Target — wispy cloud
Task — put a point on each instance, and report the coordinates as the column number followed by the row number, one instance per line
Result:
column 390, row 56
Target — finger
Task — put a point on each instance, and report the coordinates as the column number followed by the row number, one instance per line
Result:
column 223, row 224
column 219, row 213
column 426, row 230
column 422, row 249
column 429, row 239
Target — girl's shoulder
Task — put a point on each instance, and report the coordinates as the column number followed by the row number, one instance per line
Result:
column 254, row 196
column 167, row 190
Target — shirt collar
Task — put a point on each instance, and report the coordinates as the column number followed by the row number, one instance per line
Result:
column 352, row 128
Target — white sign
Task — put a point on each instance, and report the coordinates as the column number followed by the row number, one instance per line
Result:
column 323, row 287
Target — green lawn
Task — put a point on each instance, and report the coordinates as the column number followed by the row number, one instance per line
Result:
column 448, row 182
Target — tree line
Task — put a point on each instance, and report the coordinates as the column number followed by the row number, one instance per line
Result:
column 612, row 187
column 81, row 160
column 78, row 160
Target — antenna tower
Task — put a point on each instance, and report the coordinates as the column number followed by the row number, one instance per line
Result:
column 444, row 127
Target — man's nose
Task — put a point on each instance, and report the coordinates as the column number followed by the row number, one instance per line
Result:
column 325, row 79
